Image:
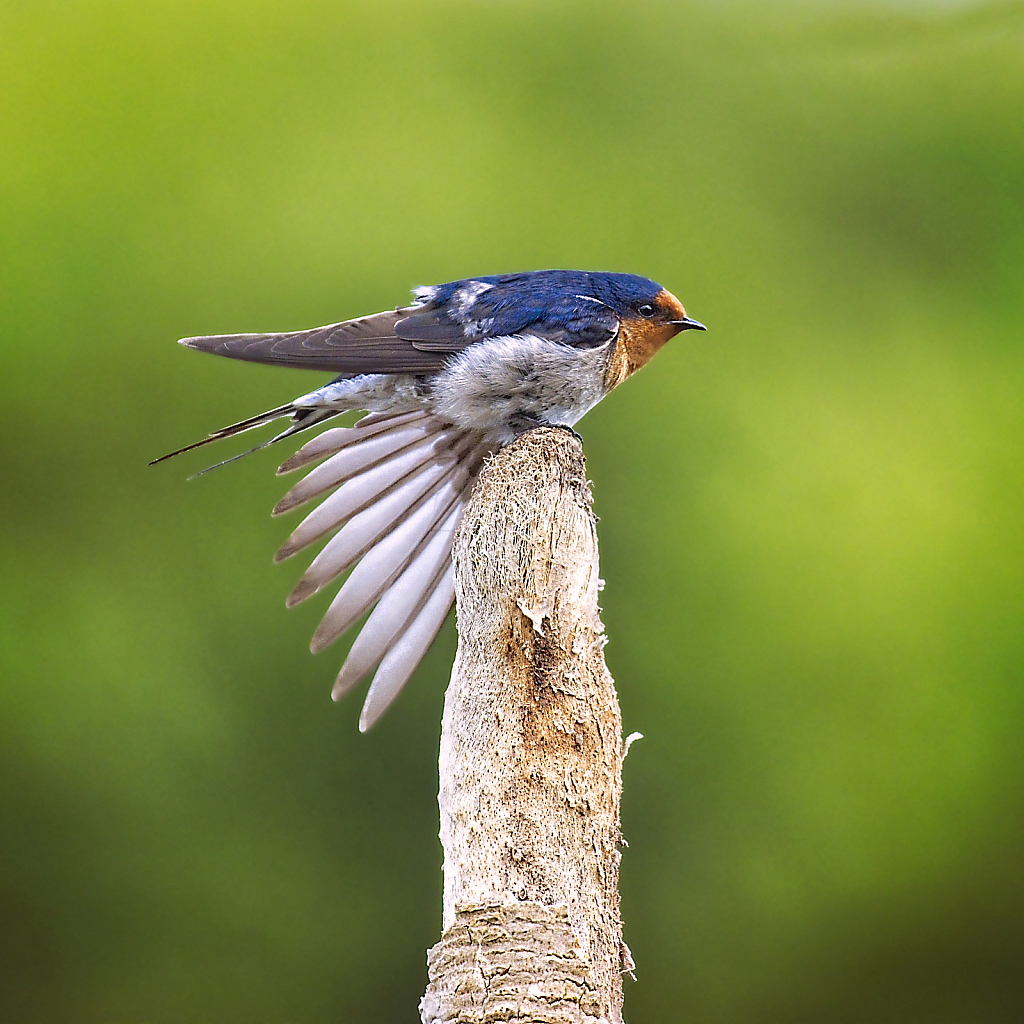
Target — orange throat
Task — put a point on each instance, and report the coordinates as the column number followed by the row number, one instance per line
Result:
column 636, row 346
column 639, row 340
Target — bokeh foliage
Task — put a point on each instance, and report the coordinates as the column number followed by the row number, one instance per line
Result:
column 810, row 516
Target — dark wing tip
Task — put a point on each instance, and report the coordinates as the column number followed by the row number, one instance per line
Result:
column 367, row 344
column 218, row 343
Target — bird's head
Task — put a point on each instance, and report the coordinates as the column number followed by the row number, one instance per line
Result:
column 649, row 316
column 643, row 305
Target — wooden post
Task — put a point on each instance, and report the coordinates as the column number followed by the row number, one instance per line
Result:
column 531, row 757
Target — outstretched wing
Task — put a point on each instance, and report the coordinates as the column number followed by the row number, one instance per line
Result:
column 396, row 487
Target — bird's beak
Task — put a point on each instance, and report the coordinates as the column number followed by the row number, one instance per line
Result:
column 686, row 324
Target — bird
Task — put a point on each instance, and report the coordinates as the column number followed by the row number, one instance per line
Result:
column 443, row 383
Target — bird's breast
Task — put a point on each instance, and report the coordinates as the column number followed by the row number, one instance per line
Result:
column 506, row 384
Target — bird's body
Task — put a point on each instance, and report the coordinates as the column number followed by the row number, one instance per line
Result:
column 500, row 385
column 464, row 370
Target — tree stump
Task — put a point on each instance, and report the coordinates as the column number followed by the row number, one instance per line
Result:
column 531, row 757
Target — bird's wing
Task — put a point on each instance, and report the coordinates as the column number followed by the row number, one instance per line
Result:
column 447, row 319
column 368, row 344
column 395, row 492
column 394, row 487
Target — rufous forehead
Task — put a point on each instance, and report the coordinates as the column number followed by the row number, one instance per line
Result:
column 667, row 301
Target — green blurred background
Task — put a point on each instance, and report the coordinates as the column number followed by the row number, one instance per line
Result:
column 811, row 517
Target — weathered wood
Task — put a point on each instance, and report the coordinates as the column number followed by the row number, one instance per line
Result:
column 531, row 757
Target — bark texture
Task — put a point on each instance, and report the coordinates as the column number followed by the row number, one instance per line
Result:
column 531, row 757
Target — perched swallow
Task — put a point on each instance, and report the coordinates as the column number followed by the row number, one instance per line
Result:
column 445, row 382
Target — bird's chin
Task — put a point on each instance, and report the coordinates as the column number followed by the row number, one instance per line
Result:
column 671, row 330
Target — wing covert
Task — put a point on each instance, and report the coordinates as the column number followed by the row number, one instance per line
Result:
column 558, row 305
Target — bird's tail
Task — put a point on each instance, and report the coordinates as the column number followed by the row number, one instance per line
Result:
column 302, row 417
column 396, row 487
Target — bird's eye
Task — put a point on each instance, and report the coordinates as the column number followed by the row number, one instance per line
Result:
column 646, row 310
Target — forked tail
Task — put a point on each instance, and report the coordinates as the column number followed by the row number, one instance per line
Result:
column 302, row 419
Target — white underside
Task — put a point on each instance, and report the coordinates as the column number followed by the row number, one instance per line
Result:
column 502, row 386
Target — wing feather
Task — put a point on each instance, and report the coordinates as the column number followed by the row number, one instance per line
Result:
column 368, row 501
column 367, row 344
column 353, row 459
column 385, row 561
column 399, row 603
column 407, row 651
column 332, row 441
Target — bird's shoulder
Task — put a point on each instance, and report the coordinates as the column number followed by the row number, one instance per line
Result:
column 560, row 305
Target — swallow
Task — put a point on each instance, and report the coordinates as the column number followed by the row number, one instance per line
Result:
column 443, row 383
